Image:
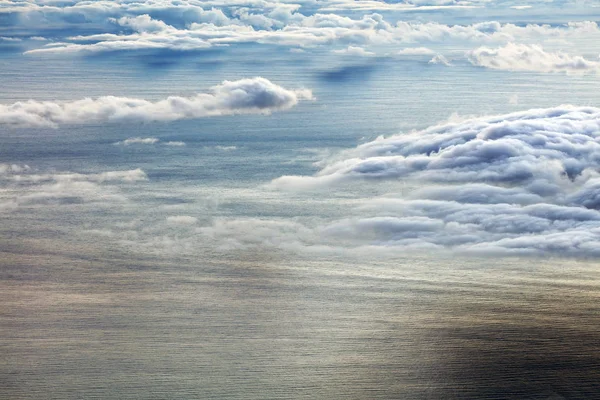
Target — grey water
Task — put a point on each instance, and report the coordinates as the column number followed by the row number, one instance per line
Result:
column 273, row 328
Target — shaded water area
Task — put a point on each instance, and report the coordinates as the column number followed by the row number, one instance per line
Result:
column 253, row 326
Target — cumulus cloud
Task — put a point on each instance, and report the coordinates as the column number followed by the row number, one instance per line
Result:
column 524, row 183
column 354, row 51
column 522, row 57
column 257, row 95
column 554, row 144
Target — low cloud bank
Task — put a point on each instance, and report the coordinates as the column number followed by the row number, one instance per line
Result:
column 522, row 57
column 245, row 96
column 286, row 26
column 24, row 186
column 526, row 183
column 555, row 145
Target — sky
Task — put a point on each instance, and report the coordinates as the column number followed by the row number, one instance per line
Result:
column 316, row 129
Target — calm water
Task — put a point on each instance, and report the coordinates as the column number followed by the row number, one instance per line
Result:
column 271, row 327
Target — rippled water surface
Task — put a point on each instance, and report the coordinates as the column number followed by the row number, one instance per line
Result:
column 269, row 327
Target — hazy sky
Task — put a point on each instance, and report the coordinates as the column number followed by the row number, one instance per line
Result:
column 318, row 128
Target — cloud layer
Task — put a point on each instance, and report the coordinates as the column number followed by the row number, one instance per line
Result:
column 521, row 57
column 245, row 96
column 522, row 183
column 24, row 187
column 283, row 24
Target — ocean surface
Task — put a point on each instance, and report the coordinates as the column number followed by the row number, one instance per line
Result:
column 269, row 327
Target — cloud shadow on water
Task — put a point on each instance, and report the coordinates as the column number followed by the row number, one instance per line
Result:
column 350, row 73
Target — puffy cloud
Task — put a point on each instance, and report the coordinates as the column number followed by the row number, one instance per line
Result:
column 257, row 95
column 556, row 144
column 522, row 57
column 354, row 51
column 525, row 183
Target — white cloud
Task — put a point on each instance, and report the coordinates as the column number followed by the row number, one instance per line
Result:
column 257, row 95
column 523, row 183
column 284, row 25
column 522, row 57
column 549, row 143
column 354, row 51
column 226, row 148
column 175, row 144
column 441, row 60
column 22, row 186
column 9, row 39
column 138, row 140
column 415, row 51
column 370, row 5
column 15, row 175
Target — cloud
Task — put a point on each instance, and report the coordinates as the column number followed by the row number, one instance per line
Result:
column 9, row 39
column 415, row 51
column 522, row 57
column 23, row 186
column 14, row 173
column 245, row 96
column 525, row 183
column 147, row 141
column 354, row 51
column 137, row 140
column 369, row 5
column 284, row 25
column 557, row 144
column 441, row 60
column 226, row 148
